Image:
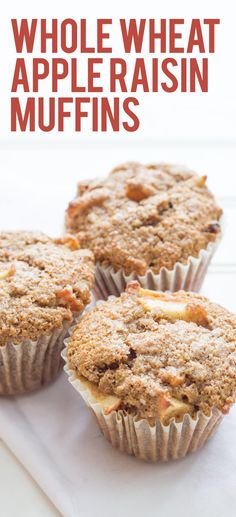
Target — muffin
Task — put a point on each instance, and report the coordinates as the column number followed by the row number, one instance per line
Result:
column 44, row 285
column 157, row 369
column 158, row 224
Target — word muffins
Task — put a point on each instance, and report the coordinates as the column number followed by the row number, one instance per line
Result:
column 157, row 369
column 44, row 285
column 158, row 224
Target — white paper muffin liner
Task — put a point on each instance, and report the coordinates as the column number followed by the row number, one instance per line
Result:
column 156, row 442
column 188, row 277
column 29, row 365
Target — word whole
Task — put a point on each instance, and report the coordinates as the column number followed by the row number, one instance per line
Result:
column 68, row 74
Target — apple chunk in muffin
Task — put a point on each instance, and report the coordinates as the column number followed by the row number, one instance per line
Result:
column 176, row 308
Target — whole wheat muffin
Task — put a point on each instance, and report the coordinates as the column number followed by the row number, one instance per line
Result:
column 144, row 217
column 157, row 355
column 44, row 283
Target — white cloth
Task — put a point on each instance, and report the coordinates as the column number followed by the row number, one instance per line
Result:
column 56, row 438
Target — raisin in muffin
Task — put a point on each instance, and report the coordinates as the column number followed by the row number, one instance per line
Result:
column 44, row 284
column 155, row 363
column 156, row 223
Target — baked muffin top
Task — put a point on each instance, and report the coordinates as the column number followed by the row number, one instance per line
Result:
column 42, row 283
column 142, row 217
column 157, row 354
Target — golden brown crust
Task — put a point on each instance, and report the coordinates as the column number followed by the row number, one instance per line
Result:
column 142, row 217
column 154, row 359
column 41, row 284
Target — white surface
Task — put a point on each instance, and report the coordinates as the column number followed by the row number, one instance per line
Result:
column 35, row 186
column 28, row 498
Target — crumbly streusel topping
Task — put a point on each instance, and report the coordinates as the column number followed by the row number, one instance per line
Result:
column 151, row 349
column 42, row 283
column 142, row 217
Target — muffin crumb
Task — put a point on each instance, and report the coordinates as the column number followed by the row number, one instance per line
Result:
column 42, row 284
column 144, row 217
column 158, row 363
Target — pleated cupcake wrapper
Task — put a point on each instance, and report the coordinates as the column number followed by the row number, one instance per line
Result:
column 188, row 277
column 29, row 365
column 149, row 442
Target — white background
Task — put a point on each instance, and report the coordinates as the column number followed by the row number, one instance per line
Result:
column 39, row 171
column 163, row 115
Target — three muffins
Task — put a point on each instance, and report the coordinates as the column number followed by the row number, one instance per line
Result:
column 158, row 224
column 44, row 285
column 157, row 369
